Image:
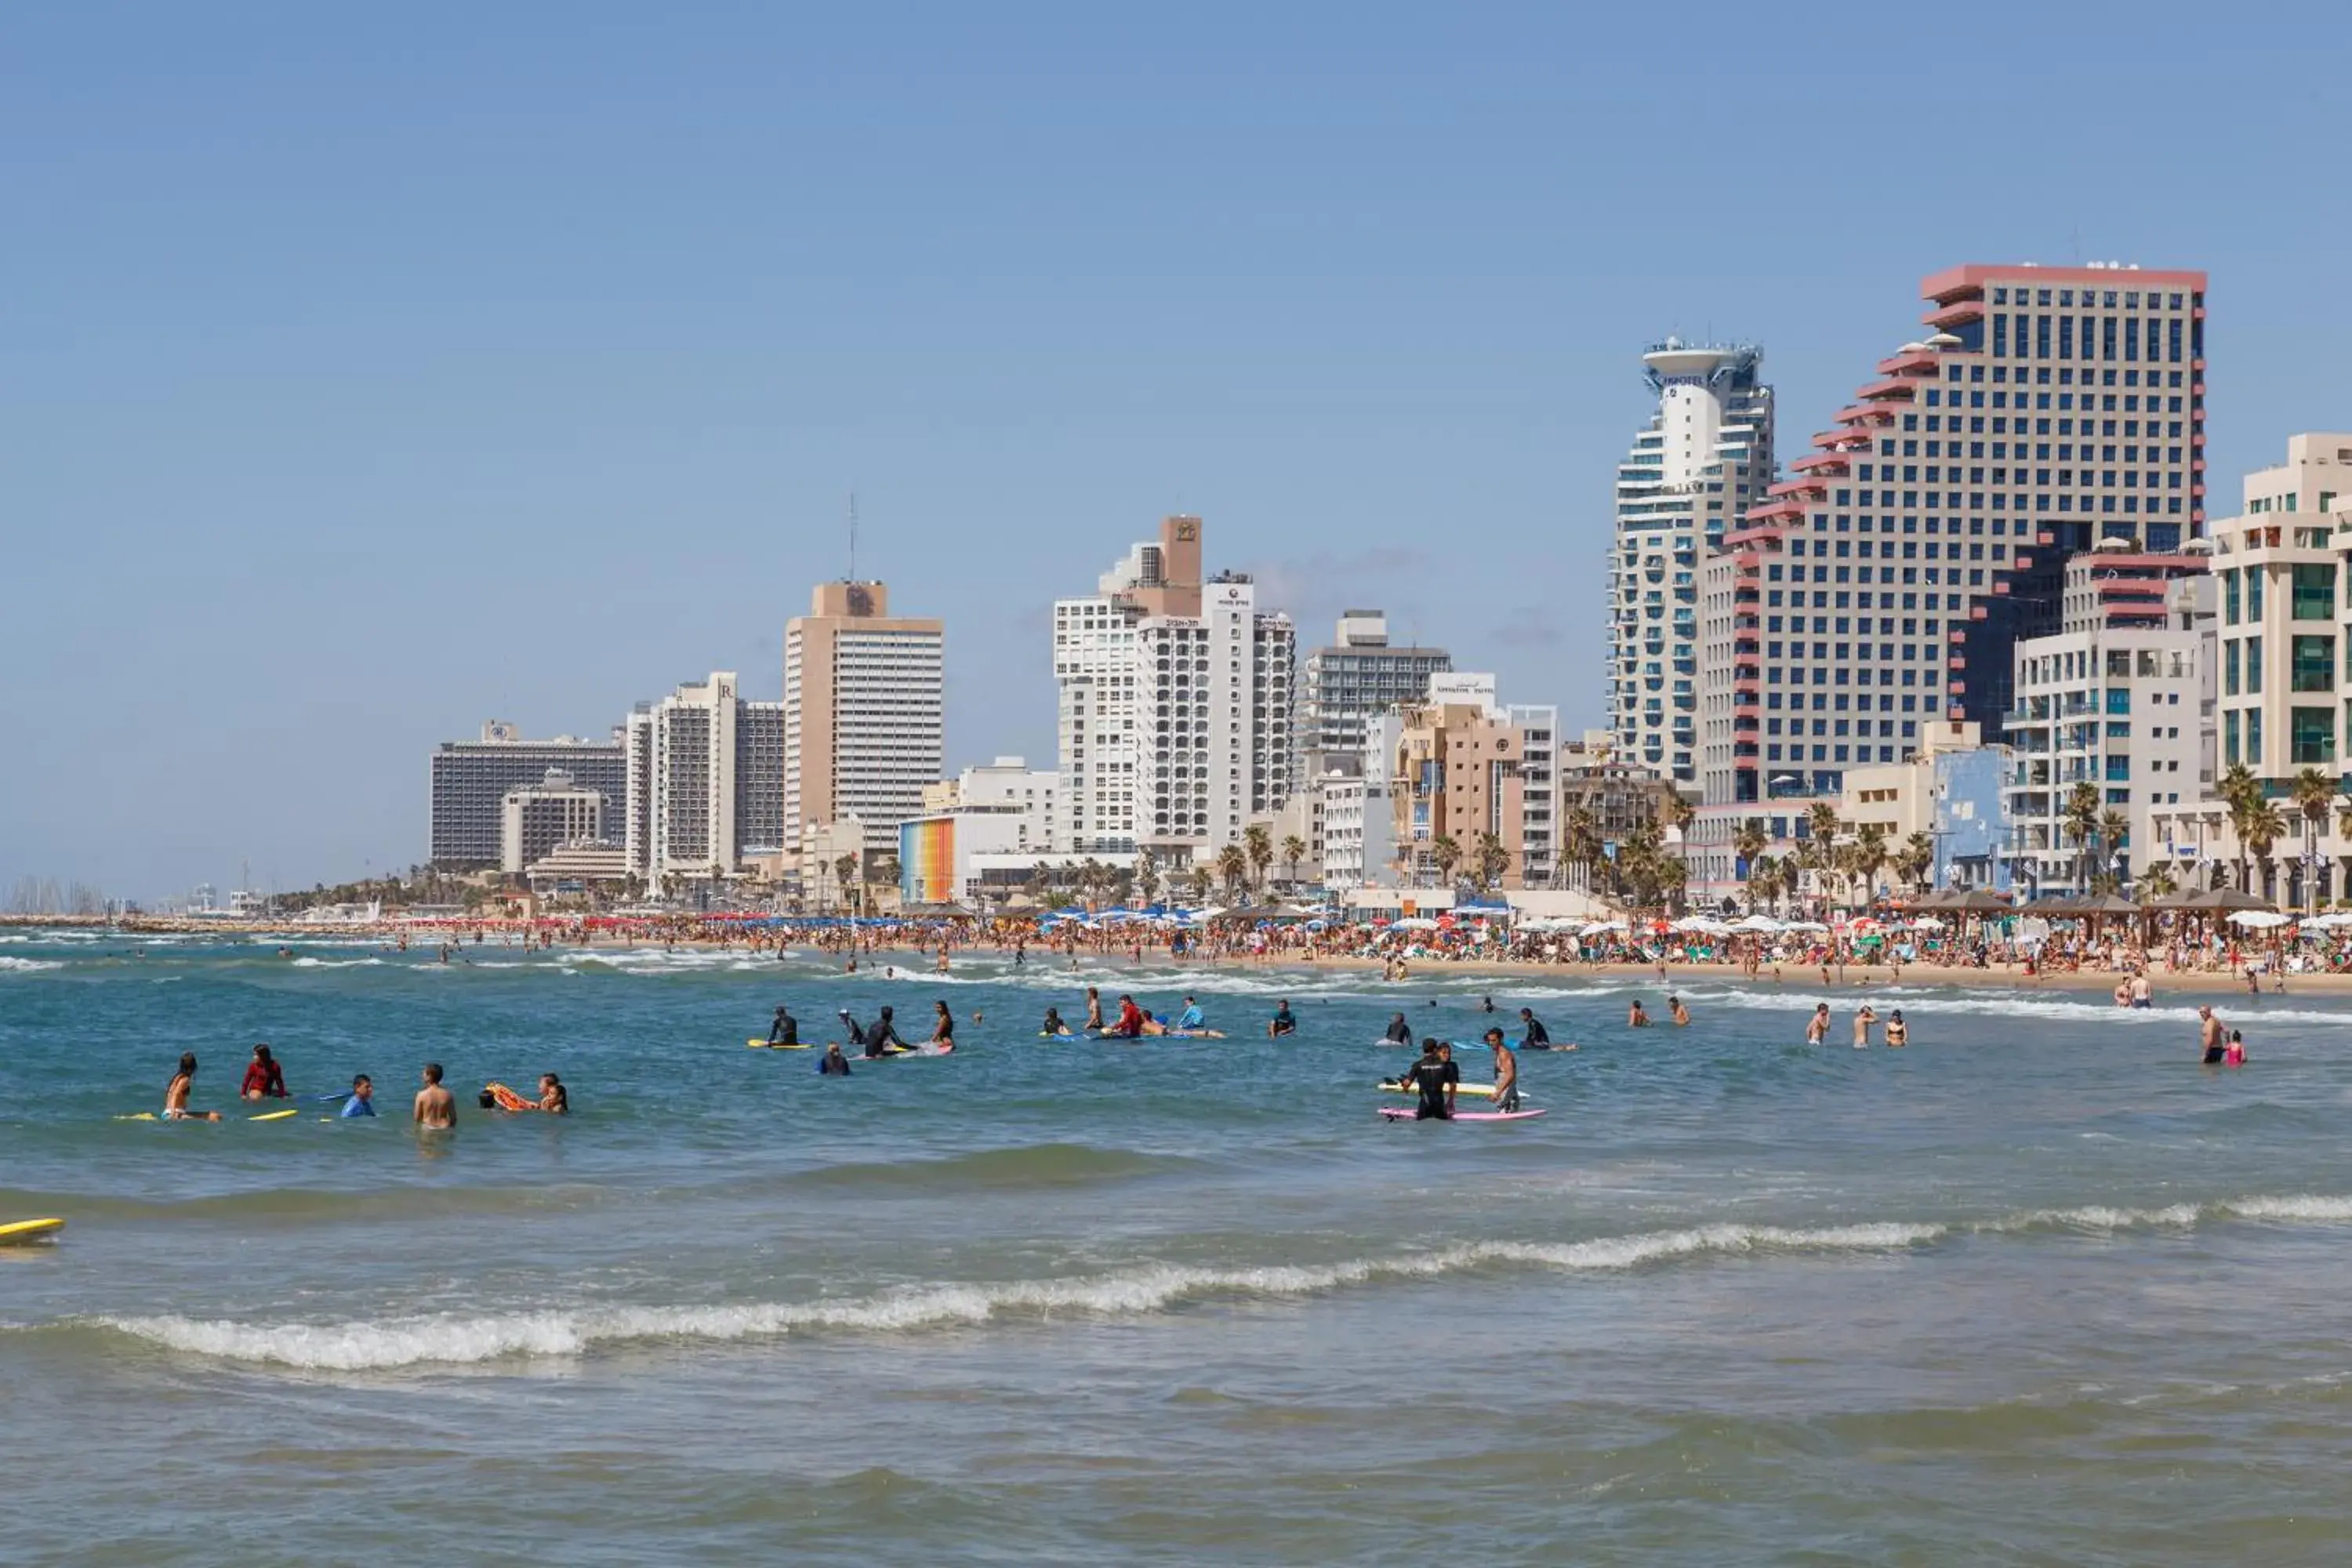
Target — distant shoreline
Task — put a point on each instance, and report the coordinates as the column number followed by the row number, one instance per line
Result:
column 1875, row 978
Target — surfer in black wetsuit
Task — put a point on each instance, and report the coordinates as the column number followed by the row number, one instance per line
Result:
column 1053, row 1023
column 1536, row 1038
column 1435, row 1075
column 786, row 1030
column 1400, row 1033
column 874, row 1040
column 1282, row 1022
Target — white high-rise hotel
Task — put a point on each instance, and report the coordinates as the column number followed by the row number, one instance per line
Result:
column 1175, row 705
column 1705, row 458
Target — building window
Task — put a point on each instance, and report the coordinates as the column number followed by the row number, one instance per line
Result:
column 2314, row 592
column 2313, row 739
column 2313, row 667
column 2254, row 575
column 2229, row 738
column 2254, row 666
column 2230, row 668
column 2254, row 737
column 2229, row 599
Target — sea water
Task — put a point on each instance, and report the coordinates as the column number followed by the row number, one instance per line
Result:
column 2038, row 1289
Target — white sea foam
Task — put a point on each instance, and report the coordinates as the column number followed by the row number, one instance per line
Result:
column 454, row 1340
column 338, row 962
column 28, row 965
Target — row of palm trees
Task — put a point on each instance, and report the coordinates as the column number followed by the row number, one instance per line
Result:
column 1854, row 855
column 1238, row 868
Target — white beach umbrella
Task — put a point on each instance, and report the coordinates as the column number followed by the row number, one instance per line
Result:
column 1763, row 925
column 1927, row 922
column 2259, row 919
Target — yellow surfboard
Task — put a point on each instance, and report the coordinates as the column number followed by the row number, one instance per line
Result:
column 1475, row 1091
column 273, row 1116
column 29, row 1230
column 765, row 1046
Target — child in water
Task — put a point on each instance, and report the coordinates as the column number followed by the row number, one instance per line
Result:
column 2235, row 1055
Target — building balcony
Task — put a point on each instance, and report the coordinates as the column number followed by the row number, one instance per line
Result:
column 1834, row 463
column 1896, row 388
column 1843, row 440
column 1911, row 361
column 1958, row 313
column 1863, row 413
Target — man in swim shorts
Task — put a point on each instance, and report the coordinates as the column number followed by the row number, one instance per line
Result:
column 436, row 1109
column 1817, row 1027
column 2210, row 1039
column 1507, row 1072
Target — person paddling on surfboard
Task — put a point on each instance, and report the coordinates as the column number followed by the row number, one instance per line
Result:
column 1094, row 1010
column 1534, row 1036
column 1436, row 1077
column 176, row 1098
column 943, row 1029
column 1400, row 1033
column 1052, row 1026
column 786, row 1030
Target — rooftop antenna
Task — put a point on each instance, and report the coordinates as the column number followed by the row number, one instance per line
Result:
column 853, row 537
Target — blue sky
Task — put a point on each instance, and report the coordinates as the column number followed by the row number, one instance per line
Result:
column 365, row 375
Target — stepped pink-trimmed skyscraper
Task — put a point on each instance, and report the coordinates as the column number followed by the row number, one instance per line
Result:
column 1882, row 586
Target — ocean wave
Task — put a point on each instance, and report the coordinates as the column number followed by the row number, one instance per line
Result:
column 28, row 965
column 454, row 1339
column 306, row 963
column 1035, row 1165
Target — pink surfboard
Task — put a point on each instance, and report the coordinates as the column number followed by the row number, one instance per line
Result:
column 1399, row 1113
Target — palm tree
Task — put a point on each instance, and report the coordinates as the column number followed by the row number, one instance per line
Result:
column 1580, row 845
column 2264, row 828
column 844, row 867
column 1674, row 871
column 1203, row 882
column 1490, row 860
column 2080, row 820
column 1147, row 876
column 1258, row 845
column 1041, row 877
column 1232, row 866
column 2241, row 792
column 1870, row 857
column 1915, row 861
column 1294, row 850
column 2156, row 883
column 1445, row 855
column 2314, row 797
column 2114, row 832
column 1764, row 881
column 1748, row 841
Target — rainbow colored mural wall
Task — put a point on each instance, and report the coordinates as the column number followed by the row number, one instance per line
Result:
column 927, row 860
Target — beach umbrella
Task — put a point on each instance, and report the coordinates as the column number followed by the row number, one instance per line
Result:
column 2259, row 919
column 1927, row 922
column 1762, row 925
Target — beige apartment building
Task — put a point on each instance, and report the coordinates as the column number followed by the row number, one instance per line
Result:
column 2283, row 572
column 864, row 712
column 1457, row 776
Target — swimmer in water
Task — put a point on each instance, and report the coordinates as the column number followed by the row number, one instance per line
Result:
column 176, row 1098
column 1899, row 1033
column 1636, row 1017
column 1817, row 1027
column 1676, row 1011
